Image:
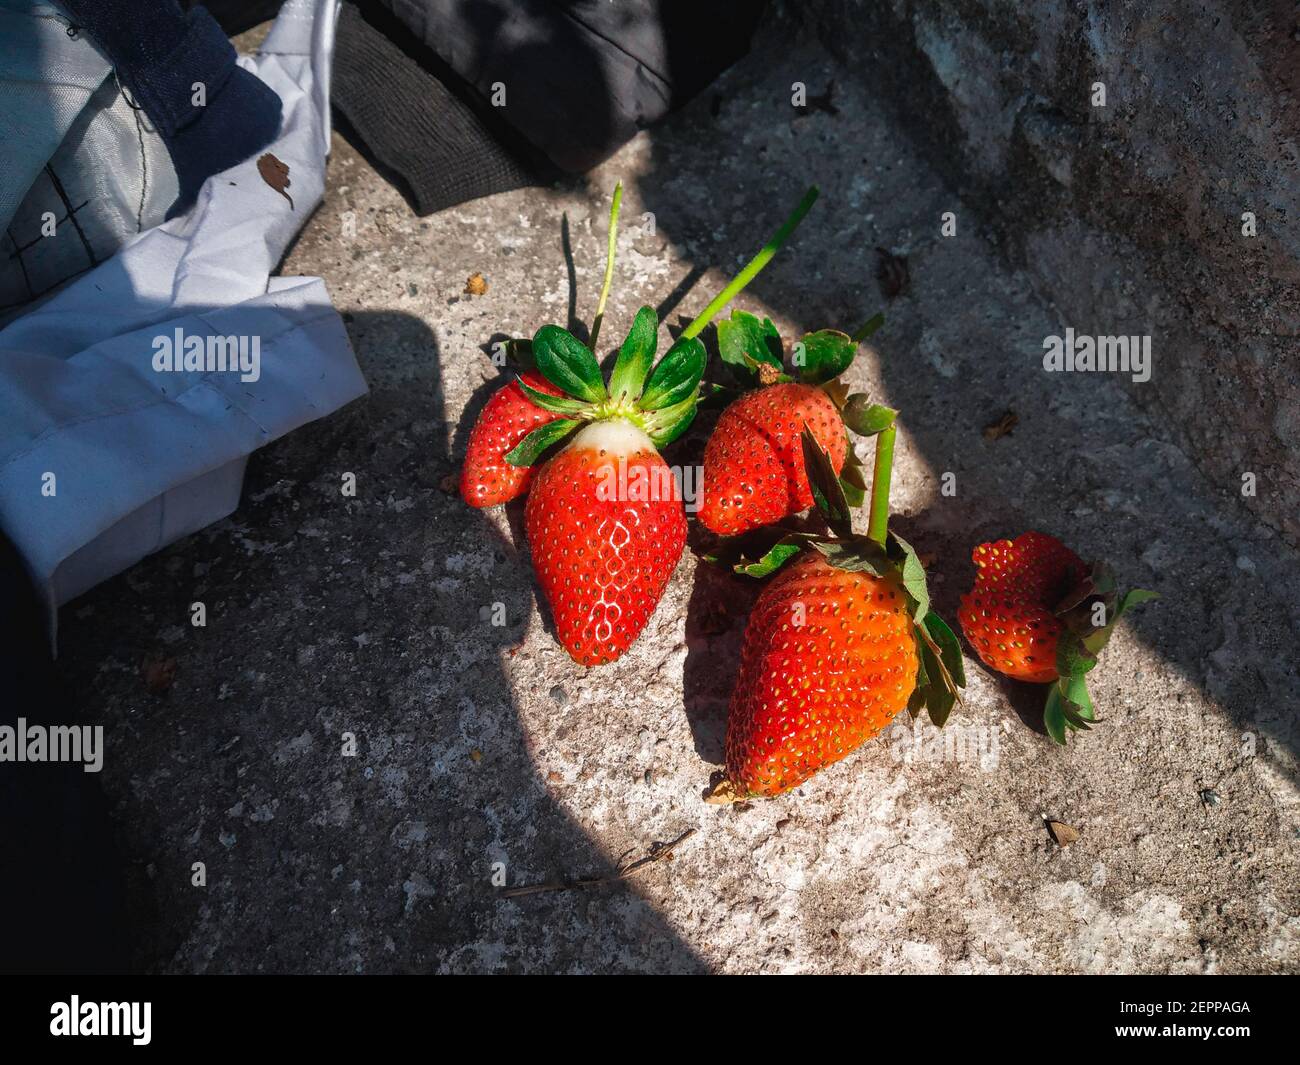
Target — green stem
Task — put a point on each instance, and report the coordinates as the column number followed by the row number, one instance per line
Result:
column 878, row 521
column 609, row 265
column 869, row 327
column 753, row 266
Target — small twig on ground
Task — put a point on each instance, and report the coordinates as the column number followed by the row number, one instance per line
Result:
column 658, row 852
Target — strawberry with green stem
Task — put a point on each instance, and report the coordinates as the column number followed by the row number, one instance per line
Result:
column 1038, row 613
column 839, row 643
column 753, row 463
column 604, row 519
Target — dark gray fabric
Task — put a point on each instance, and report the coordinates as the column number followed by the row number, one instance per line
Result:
column 414, row 82
column 440, row 147
column 581, row 77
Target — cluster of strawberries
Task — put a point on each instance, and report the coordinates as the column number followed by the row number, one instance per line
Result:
column 843, row 637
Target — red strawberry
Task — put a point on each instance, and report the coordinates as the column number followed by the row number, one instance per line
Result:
column 829, row 659
column 840, row 642
column 1038, row 613
column 1008, row 616
column 606, row 525
column 753, row 463
column 487, row 478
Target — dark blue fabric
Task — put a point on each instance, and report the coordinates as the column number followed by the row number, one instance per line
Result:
column 159, row 53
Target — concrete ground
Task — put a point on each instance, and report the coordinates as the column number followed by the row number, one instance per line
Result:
column 485, row 750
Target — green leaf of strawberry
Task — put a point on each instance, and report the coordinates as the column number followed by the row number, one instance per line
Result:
column 531, row 447
column 827, row 491
column 1069, row 706
column 568, row 363
column 949, row 647
column 822, row 356
column 668, row 423
column 1072, row 655
column 861, row 556
column 773, row 560
column 866, row 418
column 554, row 404
column 1054, row 716
column 912, row 573
column 853, row 478
column 635, row 357
column 745, row 342
column 677, row 375
column 519, row 350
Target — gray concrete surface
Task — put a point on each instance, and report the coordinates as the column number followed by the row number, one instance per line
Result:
column 479, row 745
column 1127, row 209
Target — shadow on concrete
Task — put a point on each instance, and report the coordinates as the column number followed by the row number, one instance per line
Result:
column 323, row 612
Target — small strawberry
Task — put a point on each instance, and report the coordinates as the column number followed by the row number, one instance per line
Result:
column 753, row 463
column 1008, row 616
column 486, row 478
column 1038, row 613
column 607, row 526
column 836, row 646
column 605, row 519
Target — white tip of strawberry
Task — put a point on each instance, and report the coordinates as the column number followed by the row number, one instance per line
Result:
column 615, row 437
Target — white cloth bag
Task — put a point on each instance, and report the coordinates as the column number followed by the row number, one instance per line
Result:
column 105, row 459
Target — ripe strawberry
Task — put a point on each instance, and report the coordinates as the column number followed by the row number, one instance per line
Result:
column 837, row 645
column 1008, row 616
column 486, row 478
column 607, row 526
column 829, row 659
column 753, row 463
column 1038, row 613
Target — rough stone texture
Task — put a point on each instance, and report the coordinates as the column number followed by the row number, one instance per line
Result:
column 1127, row 217
column 481, row 744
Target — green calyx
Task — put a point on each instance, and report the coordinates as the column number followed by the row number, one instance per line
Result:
column 1088, row 612
column 753, row 350
column 940, row 674
column 659, row 398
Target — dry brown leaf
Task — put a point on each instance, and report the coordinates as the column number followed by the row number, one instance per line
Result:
column 159, row 674
column 995, row 430
column 1062, row 833
column 275, row 174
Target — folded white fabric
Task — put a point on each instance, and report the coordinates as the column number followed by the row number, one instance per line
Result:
column 130, row 401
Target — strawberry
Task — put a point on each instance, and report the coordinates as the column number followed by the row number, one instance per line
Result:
column 1038, row 613
column 605, row 519
column 753, row 463
column 486, row 478
column 1007, row 617
column 607, row 526
column 829, row 659
column 837, row 645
